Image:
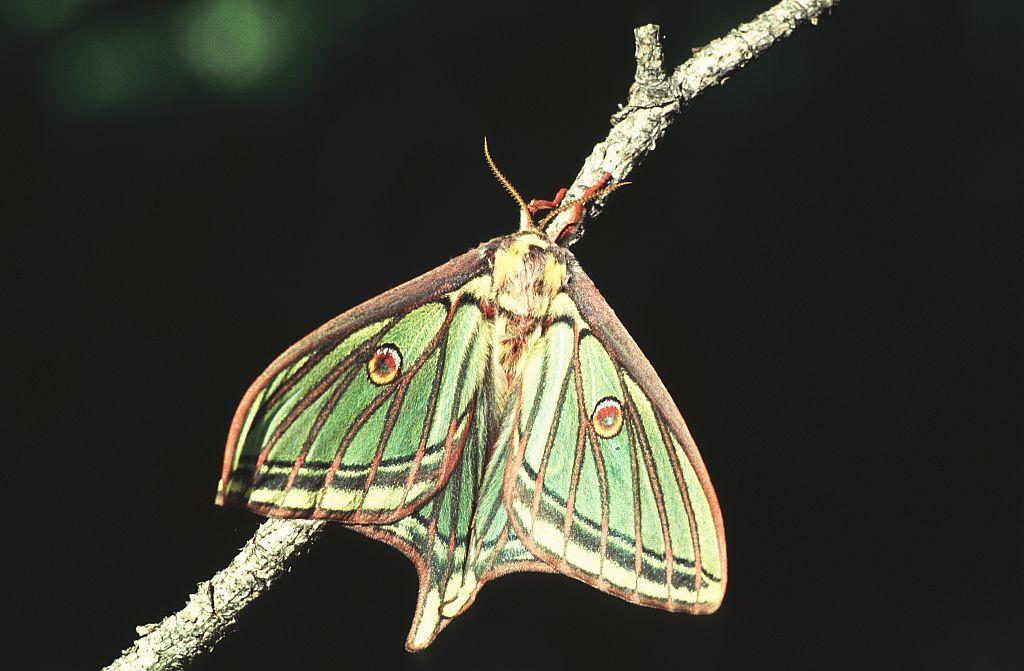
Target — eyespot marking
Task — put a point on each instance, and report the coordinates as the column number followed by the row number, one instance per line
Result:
column 607, row 417
column 384, row 365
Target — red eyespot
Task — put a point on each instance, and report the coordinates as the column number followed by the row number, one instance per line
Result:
column 384, row 365
column 607, row 417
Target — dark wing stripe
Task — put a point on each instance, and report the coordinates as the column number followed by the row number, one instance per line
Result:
column 314, row 466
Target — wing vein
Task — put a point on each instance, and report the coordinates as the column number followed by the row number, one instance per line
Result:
column 570, row 503
column 638, row 561
column 645, row 450
column 314, row 430
column 385, row 434
column 428, row 420
column 602, row 476
column 308, row 400
column 552, row 433
column 684, row 493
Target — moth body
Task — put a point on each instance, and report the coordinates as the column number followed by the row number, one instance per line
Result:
column 528, row 271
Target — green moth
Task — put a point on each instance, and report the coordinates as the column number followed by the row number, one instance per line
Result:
column 490, row 416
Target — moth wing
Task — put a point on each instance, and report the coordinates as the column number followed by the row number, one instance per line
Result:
column 624, row 503
column 318, row 436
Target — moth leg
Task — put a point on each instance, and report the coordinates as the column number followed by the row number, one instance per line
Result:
column 536, row 205
column 577, row 210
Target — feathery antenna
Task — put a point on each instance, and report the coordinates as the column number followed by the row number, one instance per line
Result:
column 508, row 187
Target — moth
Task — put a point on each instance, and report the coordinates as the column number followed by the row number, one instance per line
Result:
column 490, row 416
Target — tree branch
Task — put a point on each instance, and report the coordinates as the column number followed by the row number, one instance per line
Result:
column 654, row 99
column 212, row 611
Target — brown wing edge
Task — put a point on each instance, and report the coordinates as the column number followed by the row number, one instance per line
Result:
column 594, row 310
column 432, row 284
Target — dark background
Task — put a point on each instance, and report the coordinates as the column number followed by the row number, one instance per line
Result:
column 822, row 259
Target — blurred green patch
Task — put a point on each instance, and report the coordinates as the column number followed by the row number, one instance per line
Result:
column 239, row 43
column 40, row 16
column 112, row 66
column 136, row 57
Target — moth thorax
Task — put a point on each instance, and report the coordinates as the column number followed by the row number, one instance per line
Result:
column 527, row 275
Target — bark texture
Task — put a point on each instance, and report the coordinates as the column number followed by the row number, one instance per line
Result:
column 655, row 97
